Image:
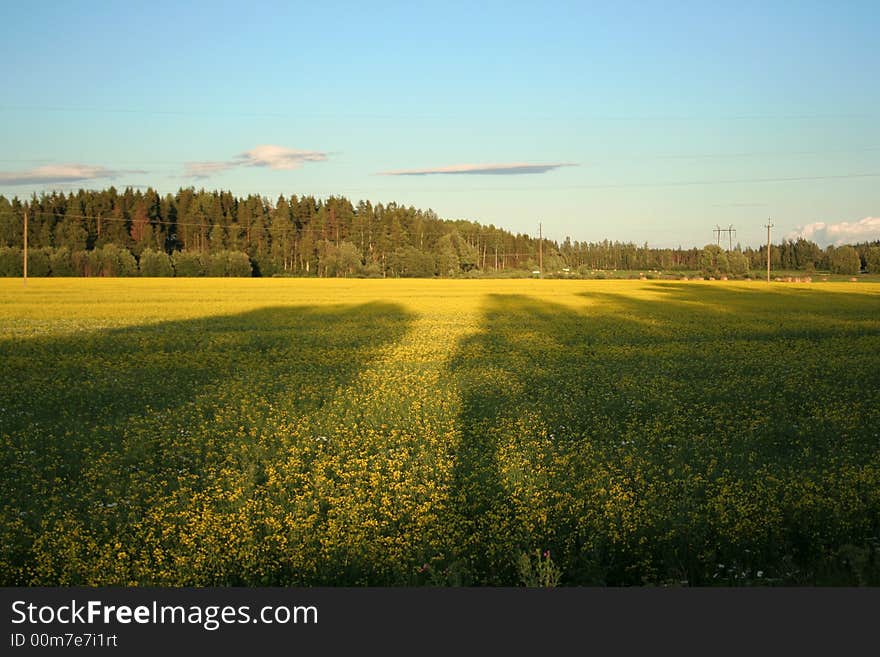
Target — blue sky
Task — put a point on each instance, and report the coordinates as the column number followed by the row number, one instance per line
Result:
column 635, row 121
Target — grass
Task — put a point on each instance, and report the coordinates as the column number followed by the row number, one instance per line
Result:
column 300, row 432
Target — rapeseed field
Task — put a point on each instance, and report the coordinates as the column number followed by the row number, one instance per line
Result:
column 428, row 432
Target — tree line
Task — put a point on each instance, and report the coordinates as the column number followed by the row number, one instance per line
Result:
column 214, row 233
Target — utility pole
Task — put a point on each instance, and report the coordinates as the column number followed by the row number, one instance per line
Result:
column 540, row 250
column 769, row 226
column 730, row 230
column 24, row 262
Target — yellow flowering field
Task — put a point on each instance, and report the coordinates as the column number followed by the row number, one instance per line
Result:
column 429, row 432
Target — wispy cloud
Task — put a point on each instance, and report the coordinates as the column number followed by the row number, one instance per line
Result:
column 279, row 157
column 59, row 173
column 843, row 232
column 504, row 169
column 739, row 205
column 264, row 155
column 205, row 169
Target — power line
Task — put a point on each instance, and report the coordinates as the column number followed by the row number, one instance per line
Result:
column 637, row 185
column 515, row 236
column 651, row 231
column 301, row 229
column 701, row 156
column 448, row 115
column 162, row 222
column 633, row 156
column 165, row 222
column 677, row 183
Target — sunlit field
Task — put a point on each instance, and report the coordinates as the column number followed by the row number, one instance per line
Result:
column 428, row 432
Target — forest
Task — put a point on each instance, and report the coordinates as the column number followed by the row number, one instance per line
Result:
column 215, row 233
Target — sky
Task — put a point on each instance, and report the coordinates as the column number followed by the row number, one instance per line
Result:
column 634, row 121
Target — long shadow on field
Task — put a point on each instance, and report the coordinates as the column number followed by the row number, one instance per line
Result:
column 693, row 435
column 709, row 312
column 98, row 428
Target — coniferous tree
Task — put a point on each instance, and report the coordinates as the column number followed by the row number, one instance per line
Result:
column 305, row 236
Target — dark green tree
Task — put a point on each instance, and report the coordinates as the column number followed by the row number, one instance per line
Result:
column 845, row 260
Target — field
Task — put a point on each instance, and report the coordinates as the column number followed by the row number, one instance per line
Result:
column 426, row 432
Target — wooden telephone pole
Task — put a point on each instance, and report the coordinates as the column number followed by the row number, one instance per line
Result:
column 769, row 226
column 24, row 262
column 540, row 250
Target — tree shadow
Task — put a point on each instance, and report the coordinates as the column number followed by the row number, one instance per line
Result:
column 138, row 434
column 747, row 312
column 694, row 434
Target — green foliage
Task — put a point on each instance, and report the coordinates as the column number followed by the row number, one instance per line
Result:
column 739, row 263
column 845, row 260
column 873, row 260
column 188, row 264
column 538, row 570
column 348, row 259
column 216, row 264
column 228, row 263
column 10, row 261
column 38, row 262
column 264, row 266
column 713, row 261
column 468, row 256
column 409, row 262
column 372, row 270
column 155, row 263
column 71, row 234
column 86, row 263
column 61, row 262
column 448, row 262
column 11, row 225
column 238, row 264
column 343, row 260
column 115, row 261
column 456, row 254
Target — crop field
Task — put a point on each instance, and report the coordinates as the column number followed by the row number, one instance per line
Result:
column 428, row 432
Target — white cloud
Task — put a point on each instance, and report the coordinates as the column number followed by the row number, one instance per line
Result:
column 279, row 157
column 844, row 232
column 205, row 169
column 57, row 173
column 265, row 155
column 504, row 169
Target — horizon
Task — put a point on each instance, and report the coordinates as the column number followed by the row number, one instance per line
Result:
column 640, row 122
column 821, row 234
